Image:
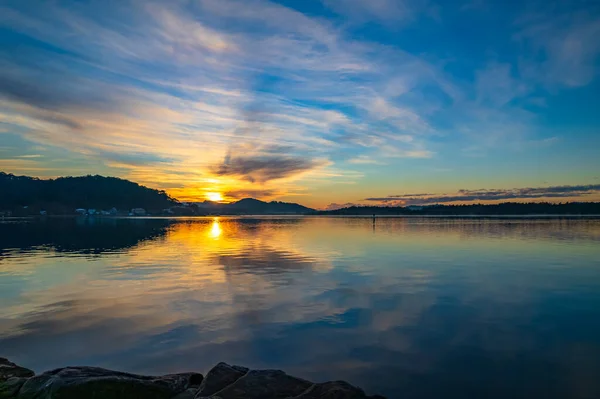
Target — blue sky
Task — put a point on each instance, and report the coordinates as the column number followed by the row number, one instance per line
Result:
column 320, row 102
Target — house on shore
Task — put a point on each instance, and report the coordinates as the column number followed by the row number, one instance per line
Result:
column 138, row 212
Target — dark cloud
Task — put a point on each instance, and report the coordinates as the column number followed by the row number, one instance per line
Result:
column 251, row 193
column 26, row 93
column 58, row 86
column 492, row 195
column 60, row 120
column 263, row 168
column 412, row 195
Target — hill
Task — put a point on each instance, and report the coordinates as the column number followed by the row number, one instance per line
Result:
column 251, row 206
column 64, row 194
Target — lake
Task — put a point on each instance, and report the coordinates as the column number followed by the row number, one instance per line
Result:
column 405, row 307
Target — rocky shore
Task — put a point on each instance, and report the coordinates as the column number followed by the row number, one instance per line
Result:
column 221, row 382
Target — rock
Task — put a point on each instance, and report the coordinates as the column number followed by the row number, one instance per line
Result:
column 333, row 390
column 194, row 382
column 264, row 384
column 222, row 382
column 9, row 369
column 219, row 377
column 10, row 388
column 196, row 379
column 98, row 383
column 12, row 378
column 189, row 393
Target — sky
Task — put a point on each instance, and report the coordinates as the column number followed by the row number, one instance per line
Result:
column 320, row 102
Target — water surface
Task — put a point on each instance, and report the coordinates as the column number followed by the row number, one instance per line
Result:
column 411, row 308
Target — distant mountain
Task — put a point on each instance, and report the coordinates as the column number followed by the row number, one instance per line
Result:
column 64, row 194
column 251, row 206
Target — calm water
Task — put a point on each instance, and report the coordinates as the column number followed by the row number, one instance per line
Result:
column 411, row 308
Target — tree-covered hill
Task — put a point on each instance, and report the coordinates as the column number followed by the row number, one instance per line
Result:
column 64, row 194
column 251, row 206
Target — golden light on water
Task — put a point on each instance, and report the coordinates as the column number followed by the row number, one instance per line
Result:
column 215, row 197
column 215, row 229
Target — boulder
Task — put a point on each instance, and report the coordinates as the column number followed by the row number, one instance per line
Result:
column 189, row 393
column 10, row 388
column 98, row 383
column 220, row 377
column 264, row 384
column 333, row 390
column 12, row 378
column 9, row 369
column 222, row 382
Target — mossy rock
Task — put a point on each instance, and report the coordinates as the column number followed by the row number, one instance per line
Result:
column 222, row 382
column 9, row 369
column 97, row 383
column 9, row 389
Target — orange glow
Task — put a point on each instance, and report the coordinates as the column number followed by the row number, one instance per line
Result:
column 215, row 197
column 215, row 229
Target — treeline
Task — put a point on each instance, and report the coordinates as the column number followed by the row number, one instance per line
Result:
column 23, row 194
column 505, row 208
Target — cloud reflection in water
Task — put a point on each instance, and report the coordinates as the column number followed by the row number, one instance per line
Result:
column 418, row 306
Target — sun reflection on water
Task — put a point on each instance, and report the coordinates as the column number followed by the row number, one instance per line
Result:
column 215, row 229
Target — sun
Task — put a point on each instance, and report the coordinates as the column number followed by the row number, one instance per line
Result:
column 215, row 197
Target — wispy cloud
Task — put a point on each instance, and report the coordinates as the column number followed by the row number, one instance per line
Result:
column 527, row 193
column 115, row 101
column 364, row 160
column 558, row 41
column 29, row 156
column 183, row 94
column 388, row 12
column 497, row 86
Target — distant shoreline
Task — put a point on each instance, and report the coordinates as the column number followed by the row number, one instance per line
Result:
column 99, row 196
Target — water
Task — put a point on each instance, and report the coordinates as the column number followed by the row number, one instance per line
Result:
column 411, row 308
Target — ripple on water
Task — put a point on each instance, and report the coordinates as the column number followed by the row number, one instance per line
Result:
column 417, row 307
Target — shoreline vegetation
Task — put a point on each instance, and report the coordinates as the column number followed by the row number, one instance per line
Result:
column 24, row 196
column 222, row 382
